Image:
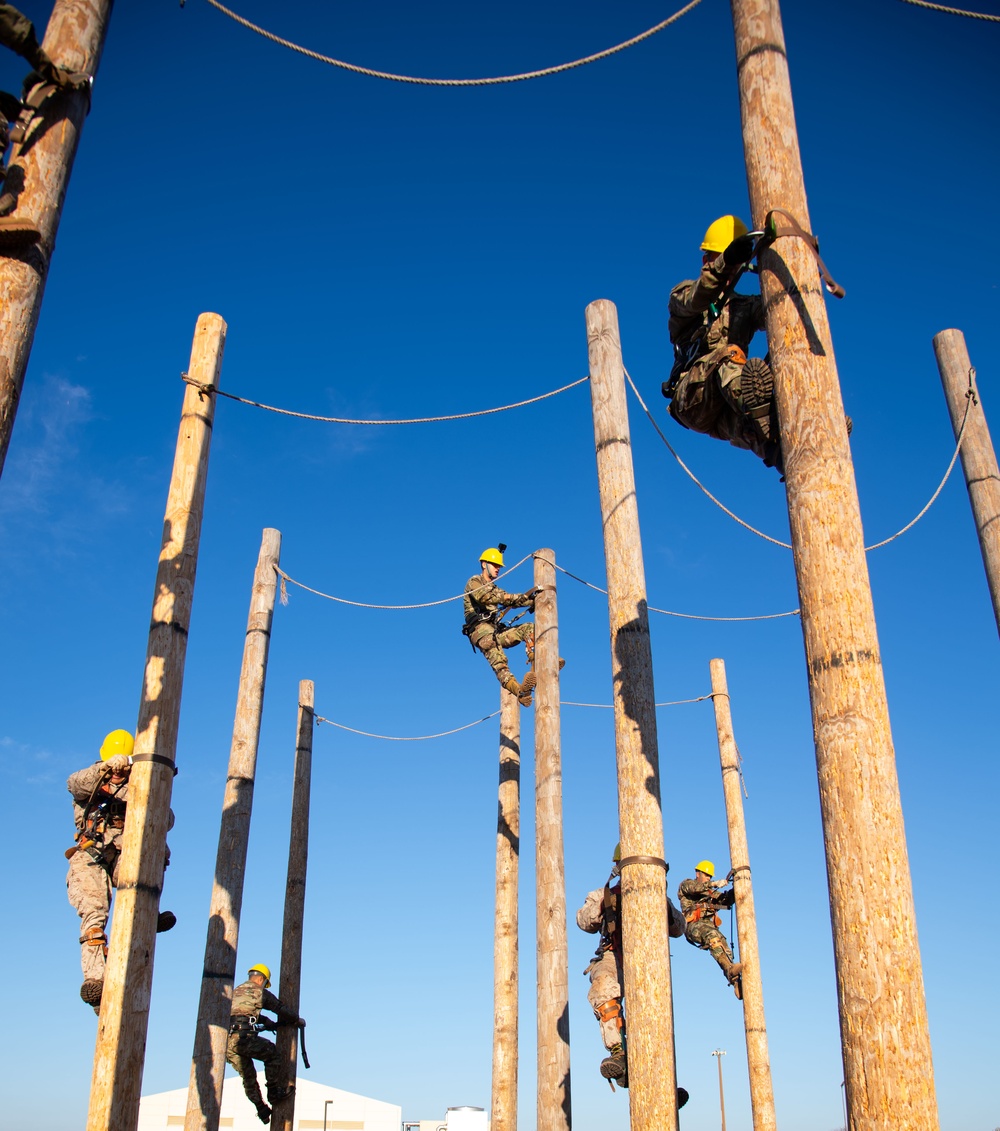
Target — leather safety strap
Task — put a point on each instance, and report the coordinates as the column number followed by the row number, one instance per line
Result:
column 775, row 231
column 625, row 861
column 159, row 759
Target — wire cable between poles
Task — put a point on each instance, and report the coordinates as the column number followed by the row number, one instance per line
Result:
column 407, row 738
column 371, row 73
column 953, row 11
column 346, row 420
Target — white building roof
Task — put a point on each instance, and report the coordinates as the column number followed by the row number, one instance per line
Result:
column 346, row 1112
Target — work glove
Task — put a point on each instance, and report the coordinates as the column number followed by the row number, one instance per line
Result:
column 720, row 883
column 739, row 251
column 117, row 763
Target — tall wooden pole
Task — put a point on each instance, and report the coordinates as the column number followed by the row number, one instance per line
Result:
column 121, row 1031
column 554, row 1101
column 648, row 1002
column 505, row 983
column 883, row 1014
column 758, row 1061
column 979, row 460
column 295, row 900
column 43, row 162
column 208, row 1062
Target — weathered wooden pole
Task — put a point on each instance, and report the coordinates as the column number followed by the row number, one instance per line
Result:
column 648, row 1002
column 208, row 1062
column 886, row 1043
column 505, row 983
column 979, row 460
column 295, row 900
column 42, row 163
column 121, row 1031
column 758, row 1060
column 554, row 1110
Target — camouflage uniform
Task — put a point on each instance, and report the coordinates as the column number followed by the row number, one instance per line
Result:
column 700, row 902
column 99, row 815
column 484, row 603
column 600, row 912
column 245, row 1046
column 18, row 33
column 704, row 386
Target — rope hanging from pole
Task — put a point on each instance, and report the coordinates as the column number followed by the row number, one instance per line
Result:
column 953, row 11
column 499, row 79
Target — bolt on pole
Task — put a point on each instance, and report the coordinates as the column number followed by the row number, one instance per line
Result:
column 208, row 1061
column 646, row 958
column 883, row 1013
column 979, row 460
column 505, row 949
column 554, row 1100
column 758, row 1060
column 42, row 164
column 121, row 1031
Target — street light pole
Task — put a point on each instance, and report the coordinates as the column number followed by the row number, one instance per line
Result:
column 326, row 1104
column 719, row 1054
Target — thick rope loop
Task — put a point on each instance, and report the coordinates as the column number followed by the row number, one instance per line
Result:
column 371, row 73
column 202, row 388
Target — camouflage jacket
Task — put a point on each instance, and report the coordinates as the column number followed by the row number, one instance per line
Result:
column 249, row 999
column 699, row 899
column 600, row 912
column 485, row 600
column 16, row 30
column 691, row 327
column 102, row 808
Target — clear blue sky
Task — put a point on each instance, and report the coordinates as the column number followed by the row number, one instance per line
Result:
column 381, row 250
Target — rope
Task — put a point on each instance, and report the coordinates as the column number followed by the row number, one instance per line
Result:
column 346, row 420
column 454, row 82
column 608, row 706
column 785, row 545
column 970, row 399
column 407, row 738
column 697, row 482
column 669, row 612
column 366, row 605
column 950, row 11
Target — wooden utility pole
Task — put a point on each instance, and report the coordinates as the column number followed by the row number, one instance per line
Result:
column 295, row 900
column 121, row 1031
column 42, row 164
column 719, row 1054
column 554, row 1101
column 505, row 983
column 979, row 460
column 758, row 1061
column 208, row 1062
column 648, row 1002
column 883, row 1014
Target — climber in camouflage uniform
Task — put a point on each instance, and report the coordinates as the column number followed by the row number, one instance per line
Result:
column 100, row 796
column 245, row 1046
column 485, row 604
column 713, row 388
column 701, row 899
column 601, row 912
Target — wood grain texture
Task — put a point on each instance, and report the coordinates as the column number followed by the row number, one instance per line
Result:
column 208, row 1061
column 648, row 1002
column 43, row 162
column 505, row 946
column 758, row 1059
column 979, row 460
column 554, row 1099
column 884, row 1031
column 121, row 1031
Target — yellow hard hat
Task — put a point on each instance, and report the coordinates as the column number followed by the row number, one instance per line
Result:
column 117, row 742
column 705, row 866
column 617, row 853
column 492, row 555
column 722, row 232
column 260, row 968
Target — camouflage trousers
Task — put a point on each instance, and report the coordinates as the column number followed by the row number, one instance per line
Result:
column 492, row 645
column 708, row 399
column 707, row 936
column 89, row 887
column 605, row 996
column 242, row 1049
